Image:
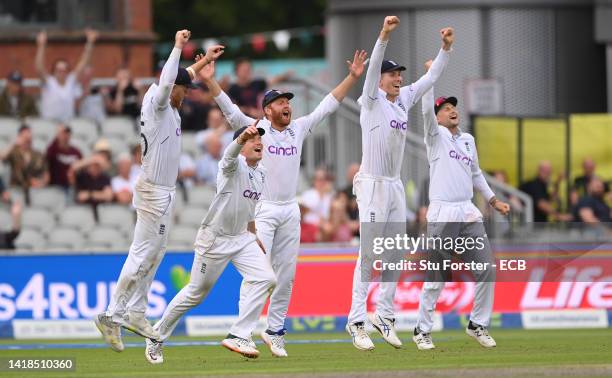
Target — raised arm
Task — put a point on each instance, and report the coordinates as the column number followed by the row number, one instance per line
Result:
column 170, row 70
column 212, row 53
column 39, row 61
column 430, row 122
column 355, row 71
column 91, row 36
column 370, row 87
column 229, row 162
column 231, row 111
column 412, row 93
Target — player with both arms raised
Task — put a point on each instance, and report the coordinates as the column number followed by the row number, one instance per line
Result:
column 160, row 127
column 380, row 193
column 278, row 216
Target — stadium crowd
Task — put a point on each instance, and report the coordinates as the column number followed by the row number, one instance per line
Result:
column 94, row 172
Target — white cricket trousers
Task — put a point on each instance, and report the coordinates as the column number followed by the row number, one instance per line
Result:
column 212, row 254
column 466, row 221
column 146, row 253
column 381, row 202
column 278, row 228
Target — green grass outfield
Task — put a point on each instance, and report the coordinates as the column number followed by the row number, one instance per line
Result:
column 519, row 352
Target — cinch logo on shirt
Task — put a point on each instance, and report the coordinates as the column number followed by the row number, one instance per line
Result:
column 178, row 132
column 251, row 195
column 457, row 156
column 399, row 125
column 283, row 151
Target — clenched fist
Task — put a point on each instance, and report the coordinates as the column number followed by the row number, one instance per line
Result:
column 448, row 37
column 181, row 38
column 390, row 23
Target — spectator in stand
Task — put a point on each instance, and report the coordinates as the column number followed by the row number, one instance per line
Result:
column 592, row 208
column 339, row 227
column 318, row 199
column 309, row 233
column 246, row 91
column 28, row 166
column 207, row 165
column 14, row 102
column 91, row 103
column 93, row 185
column 61, row 155
column 195, row 108
column 7, row 238
column 60, row 90
column 126, row 97
column 121, row 185
column 544, row 201
column 351, row 204
column 581, row 183
column 217, row 124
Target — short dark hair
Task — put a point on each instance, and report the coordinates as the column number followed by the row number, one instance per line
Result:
column 238, row 61
column 23, row 128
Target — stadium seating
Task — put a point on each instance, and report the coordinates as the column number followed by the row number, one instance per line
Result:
column 30, row 239
column 42, row 128
column 84, row 129
column 117, row 216
column 50, row 198
column 79, row 217
column 106, row 238
column 191, row 216
column 5, row 220
column 39, row 219
column 189, row 144
column 201, row 197
column 65, row 238
column 119, row 127
column 8, row 128
column 181, row 237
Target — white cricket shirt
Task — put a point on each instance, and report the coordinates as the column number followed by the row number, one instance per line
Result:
column 239, row 187
column 160, row 128
column 453, row 160
column 384, row 124
column 282, row 149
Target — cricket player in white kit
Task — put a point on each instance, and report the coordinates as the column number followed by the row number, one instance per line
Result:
column 277, row 215
column 454, row 172
column 227, row 234
column 379, row 190
column 160, row 127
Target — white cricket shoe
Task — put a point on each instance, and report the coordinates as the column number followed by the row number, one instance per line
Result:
column 110, row 330
column 386, row 327
column 423, row 340
column 154, row 351
column 137, row 323
column 361, row 339
column 481, row 334
column 241, row 346
column 276, row 343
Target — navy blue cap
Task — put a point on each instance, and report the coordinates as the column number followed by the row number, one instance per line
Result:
column 183, row 78
column 15, row 76
column 241, row 130
column 272, row 95
column 443, row 100
column 389, row 66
